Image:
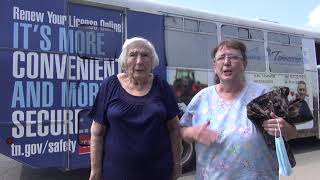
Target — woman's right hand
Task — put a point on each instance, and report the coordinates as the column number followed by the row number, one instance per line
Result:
column 95, row 175
column 202, row 134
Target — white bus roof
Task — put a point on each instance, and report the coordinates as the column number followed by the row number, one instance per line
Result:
column 161, row 8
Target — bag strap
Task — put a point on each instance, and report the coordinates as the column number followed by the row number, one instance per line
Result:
column 275, row 130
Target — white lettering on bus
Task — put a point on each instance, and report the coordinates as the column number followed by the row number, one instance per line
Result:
column 54, row 66
column 25, row 15
column 43, row 123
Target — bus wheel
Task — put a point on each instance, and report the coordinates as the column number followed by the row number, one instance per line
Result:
column 188, row 157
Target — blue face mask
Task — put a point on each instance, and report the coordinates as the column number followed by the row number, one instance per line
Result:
column 285, row 168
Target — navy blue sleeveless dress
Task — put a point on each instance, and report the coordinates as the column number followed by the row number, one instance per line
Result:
column 137, row 144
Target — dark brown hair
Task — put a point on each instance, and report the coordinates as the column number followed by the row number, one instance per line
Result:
column 231, row 43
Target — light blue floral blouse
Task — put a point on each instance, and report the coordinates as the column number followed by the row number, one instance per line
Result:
column 240, row 152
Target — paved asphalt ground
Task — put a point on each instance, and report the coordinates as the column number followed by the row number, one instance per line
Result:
column 307, row 153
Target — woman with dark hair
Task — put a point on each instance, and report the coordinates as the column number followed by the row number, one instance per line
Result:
column 228, row 145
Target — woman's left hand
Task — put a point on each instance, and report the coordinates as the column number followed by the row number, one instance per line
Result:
column 272, row 127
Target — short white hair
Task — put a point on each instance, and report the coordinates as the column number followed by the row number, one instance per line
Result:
column 124, row 53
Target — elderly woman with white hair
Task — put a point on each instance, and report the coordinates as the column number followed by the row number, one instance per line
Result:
column 135, row 132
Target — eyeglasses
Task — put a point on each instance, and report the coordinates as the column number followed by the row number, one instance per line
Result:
column 231, row 57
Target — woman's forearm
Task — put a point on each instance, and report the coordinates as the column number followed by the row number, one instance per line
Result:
column 187, row 134
column 96, row 153
column 175, row 137
column 96, row 147
column 176, row 146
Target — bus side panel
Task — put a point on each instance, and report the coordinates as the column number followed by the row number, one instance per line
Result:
column 151, row 27
column 51, row 68
column 28, row 105
column 310, row 128
column 6, row 21
column 291, row 74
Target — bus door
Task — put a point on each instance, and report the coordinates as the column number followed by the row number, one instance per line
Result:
column 95, row 36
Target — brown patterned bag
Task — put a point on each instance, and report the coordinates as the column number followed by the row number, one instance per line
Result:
column 259, row 109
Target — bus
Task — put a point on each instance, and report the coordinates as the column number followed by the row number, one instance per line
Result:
column 54, row 55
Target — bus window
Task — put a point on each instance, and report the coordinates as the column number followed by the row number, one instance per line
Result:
column 284, row 57
column 190, row 25
column 255, row 34
column 227, row 30
column 273, row 37
column 243, row 33
column 189, row 48
column 295, row 40
column 173, row 22
column 255, row 56
column 208, row 27
column 84, row 122
column 284, row 39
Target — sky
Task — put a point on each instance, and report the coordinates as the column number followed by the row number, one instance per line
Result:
column 298, row 13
